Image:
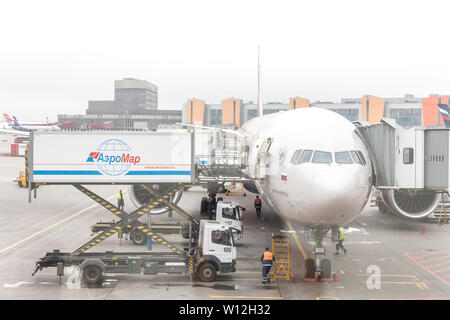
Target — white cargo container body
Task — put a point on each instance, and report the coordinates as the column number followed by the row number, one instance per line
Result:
column 111, row 156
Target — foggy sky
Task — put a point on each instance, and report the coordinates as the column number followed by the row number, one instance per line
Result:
column 57, row 55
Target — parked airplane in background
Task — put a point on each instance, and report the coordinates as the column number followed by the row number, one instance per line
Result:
column 7, row 128
column 31, row 126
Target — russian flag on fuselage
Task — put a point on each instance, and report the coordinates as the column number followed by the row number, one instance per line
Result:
column 444, row 110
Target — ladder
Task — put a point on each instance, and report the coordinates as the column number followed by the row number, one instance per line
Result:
column 282, row 261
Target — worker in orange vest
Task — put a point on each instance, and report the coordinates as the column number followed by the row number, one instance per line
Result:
column 258, row 205
column 267, row 261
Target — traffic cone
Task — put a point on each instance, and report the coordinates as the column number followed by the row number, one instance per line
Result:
column 423, row 230
column 336, row 277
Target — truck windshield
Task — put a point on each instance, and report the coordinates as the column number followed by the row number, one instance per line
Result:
column 221, row 237
column 229, row 213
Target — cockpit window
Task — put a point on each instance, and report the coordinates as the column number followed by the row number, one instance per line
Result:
column 295, row 156
column 306, row 156
column 322, row 157
column 355, row 157
column 363, row 160
column 343, row 157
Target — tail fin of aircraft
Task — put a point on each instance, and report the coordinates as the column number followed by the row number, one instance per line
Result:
column 16, row 122
column 8, row 119
column 259, row 98
column 444, row 110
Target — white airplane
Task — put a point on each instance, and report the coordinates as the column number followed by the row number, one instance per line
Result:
column 7, row 128
column 31, row 126
column 311, row 167
column 13, row 127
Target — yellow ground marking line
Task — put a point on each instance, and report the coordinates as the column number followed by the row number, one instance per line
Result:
column 327, row 298
column 51, row 227
column 305, row 256
column 391, row 275
column 297, row 241
column 244, row 297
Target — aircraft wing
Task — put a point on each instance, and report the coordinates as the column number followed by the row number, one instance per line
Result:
column 14, row 132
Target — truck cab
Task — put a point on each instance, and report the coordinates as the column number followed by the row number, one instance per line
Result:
column 216, row 251
column 230, row 213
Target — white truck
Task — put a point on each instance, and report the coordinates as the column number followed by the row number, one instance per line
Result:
column 214, row 252
column 230, row 213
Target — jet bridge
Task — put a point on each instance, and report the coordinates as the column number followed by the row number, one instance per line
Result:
column 411, row 166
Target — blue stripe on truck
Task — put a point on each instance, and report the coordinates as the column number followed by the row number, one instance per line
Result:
column 66, row 172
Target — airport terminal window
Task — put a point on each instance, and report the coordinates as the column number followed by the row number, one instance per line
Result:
column 408, row 155
column 343, row 157
column 322, row 157
column 295, row 156
column 220, row 237
column 306, row 156
column 361, row 156
column 355, row 157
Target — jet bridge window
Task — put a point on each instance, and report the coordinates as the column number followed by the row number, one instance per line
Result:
column 408, row 155
column 295, row 156
column 220, row 237
column 322, row 157
column 355, row 157
column 343, row 157
column 306, row 156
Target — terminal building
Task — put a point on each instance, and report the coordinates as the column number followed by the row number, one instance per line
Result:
column 408, row 111
column 135, row 105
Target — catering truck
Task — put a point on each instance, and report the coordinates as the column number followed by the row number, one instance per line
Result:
column 214, row 252
column 96, row 157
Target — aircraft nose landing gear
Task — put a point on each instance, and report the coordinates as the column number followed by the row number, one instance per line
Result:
column 318, row 269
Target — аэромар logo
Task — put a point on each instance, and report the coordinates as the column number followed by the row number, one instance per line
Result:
column 113, row 157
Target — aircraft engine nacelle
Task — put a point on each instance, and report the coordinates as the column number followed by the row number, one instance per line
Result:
column 250, row 187
column 411, row 203
column 139, row 196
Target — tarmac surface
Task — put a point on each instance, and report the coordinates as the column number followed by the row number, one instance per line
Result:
column 411, row 259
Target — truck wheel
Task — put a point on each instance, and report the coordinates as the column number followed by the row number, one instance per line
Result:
column 20, row 184
column 206, row 272
column 204, row 206
column 310, row 268
column 325, row 265
column 138, row 238
column 92, row 274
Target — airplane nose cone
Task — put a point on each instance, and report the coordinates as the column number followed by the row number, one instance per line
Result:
column 334, row 190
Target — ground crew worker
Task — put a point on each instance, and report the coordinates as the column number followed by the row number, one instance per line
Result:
column 258, row 205
column 120, row 202
column 267, row 261
column 341, row 238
